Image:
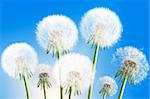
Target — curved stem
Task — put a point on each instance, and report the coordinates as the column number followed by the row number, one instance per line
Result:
column 26, row 86
column 123, row 87
column 61, row 89
column 70, row 93
column 44, row 89
column 90, row 92
column 93, row 71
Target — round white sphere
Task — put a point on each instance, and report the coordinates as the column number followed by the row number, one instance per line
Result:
column 19, row 58
column 57, row 33
column 111, row 82
column 75, row 63
column 135, row 55
column 101, row 26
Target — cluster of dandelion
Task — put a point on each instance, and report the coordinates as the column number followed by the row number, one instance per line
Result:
column 74, row 72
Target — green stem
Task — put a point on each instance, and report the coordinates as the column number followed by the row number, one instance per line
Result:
column 103, row 97
column 61, row 92
column 93, row 71
column 61, row 89
column 90, row 92
column 44, row 88
column 70, row 92
column 26, row 86
column 123, row 87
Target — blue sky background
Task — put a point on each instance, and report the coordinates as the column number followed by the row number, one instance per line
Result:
column 18, row 19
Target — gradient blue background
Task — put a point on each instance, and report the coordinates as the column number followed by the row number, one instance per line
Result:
column 18, row 19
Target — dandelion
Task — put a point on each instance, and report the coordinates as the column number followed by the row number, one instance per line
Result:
column 108, row 86
column 43, row 77
column 101, row 28
column 75, row 73
column 18, row 61
column 134, row 66
column 57, row 34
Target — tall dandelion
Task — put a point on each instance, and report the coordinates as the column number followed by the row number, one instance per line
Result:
column 101, row 28
column 76, row 71
column 57, row 34
column 108, row 86
column 134, row 66
column 18, row 61
column 43, row 77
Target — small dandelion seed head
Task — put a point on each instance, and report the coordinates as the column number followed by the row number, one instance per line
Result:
column 75, row 69
column 57, row 33
column 43, row 75
column 101, row 26
column 19, row 59
column 108, row 86
column 133, row 62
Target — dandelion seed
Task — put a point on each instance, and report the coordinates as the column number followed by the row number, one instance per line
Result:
column 101, row 28
column 57, row 33
column 108, row 86
column 75, row 70
column 18, row 61
column 134, row 66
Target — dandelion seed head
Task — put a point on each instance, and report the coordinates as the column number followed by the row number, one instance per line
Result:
column 108, row 86
column 43, row 74
column 101, row 26
column 57, row 33
column 19, row 59
column 133, row 61
column 75, row 70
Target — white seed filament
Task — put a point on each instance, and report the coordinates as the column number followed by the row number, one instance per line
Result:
column 55, row 40
column 74, row 81
column 22, row 69
column 98, row 32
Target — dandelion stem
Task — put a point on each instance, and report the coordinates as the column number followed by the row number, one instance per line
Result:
column 123, row 87
column 44, row 88
column 70, row 93
column 93, row 70
column 26, row 86
column 61, row 89
column 103, row 96
column 58, row 55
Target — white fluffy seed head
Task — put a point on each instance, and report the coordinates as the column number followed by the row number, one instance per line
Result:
column 74, row 69
column 57, row 33
column 101, row 26
column 19, row 59
column 135, row 60
column 108, row 86
column 43, row 73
